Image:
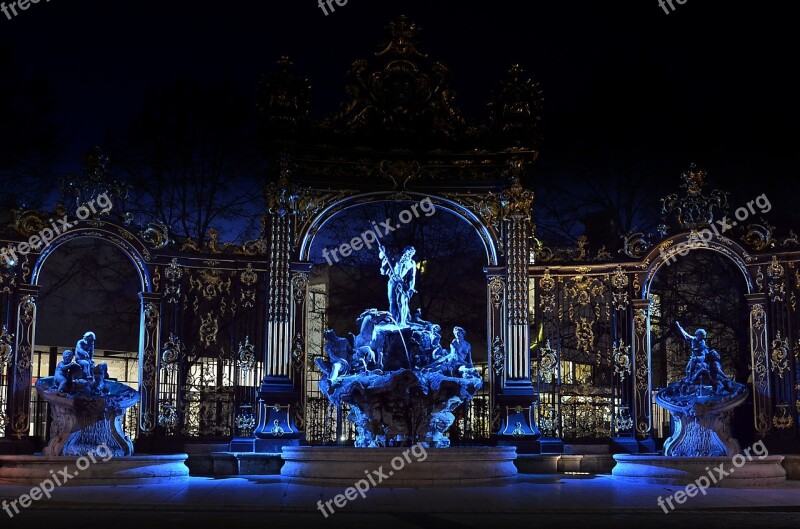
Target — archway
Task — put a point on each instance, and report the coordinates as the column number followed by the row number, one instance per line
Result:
column 700, row 283
column 90, row 285
column 451, row 255
column 148, row 321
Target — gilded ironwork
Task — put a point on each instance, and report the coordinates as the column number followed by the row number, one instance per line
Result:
column 623, row 421
column 498, row 356
column 497, row 288
column 248, row 279
column 210, row 283
column 298, row 352
column 6, row 347
column 619, row 283
column 548, row 362
column 622, row 359
column 209, row 327
column 780, row 354
column 168, row 417
column 547, row 295
column 246, row 356
column 516, row 108
column 245, row 420
column 695, row 210
column 516, row 201
column 584, row 334
column 759, row 236
column 171, row 353
column 782, row 420
column 776, row 274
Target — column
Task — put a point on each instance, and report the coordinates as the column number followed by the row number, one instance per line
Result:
column 759, row 355
column 517, row 396
column 149, row 340
column 642, row 380
column 278, row 396
column 19, row 370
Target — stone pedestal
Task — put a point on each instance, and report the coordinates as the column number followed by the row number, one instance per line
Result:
column 433, row 466
column 94, row 470
column 82, row 423
column 741, row 472
column 701, row 424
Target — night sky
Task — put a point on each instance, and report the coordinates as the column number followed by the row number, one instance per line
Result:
column 708, row 83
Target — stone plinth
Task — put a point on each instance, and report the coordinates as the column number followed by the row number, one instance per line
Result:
column 346, row 465
column 759, row 472
column 136, row 470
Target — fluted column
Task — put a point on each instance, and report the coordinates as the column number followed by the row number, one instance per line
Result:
column 517, row 396
column 278, row 396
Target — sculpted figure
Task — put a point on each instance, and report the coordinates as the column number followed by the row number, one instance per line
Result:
column 84, row 353
column 338, row 352
column 402, row 279
column 697, row 366
column 67, row 371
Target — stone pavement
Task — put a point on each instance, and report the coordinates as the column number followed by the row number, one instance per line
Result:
column 532, row 501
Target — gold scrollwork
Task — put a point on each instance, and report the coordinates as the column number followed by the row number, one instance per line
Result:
column 622, row 360
column 548, row 362
column 498, row 356
column 783, row 419
column 496, row 289
column 299, row 286
column 584, row 334
column 780, row 354
column 210, row 283
column 640, row 322
column 776, row 273
column 209, row 327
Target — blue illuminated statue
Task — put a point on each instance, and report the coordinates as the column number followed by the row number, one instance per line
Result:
column 701, row 404
column 400, row 384
column 402, row 279
column 86, row 408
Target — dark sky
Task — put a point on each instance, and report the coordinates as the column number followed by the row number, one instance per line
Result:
column 710, row 82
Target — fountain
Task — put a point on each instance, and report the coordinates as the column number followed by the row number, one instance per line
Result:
column 87, row 409
column 701, row 405
column 401, row 387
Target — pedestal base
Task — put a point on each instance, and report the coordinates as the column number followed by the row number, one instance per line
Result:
column 445, row 466
column 685, row 470
column 135, row 470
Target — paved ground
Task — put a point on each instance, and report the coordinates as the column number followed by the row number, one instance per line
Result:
column 530, row 501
